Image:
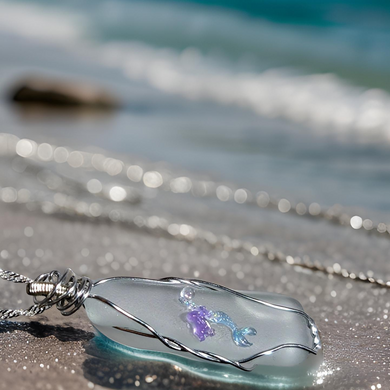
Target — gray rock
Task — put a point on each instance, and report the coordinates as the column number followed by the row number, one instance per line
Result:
column 61, row 93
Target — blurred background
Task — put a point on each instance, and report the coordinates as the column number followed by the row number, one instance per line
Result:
column 289, row 96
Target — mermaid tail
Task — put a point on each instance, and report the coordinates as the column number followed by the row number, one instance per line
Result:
column 239, row 334
column 199, row 319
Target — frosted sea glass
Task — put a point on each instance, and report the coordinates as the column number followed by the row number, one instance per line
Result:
column 157, row 303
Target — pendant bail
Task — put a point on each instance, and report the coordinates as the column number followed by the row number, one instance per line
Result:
column 66, row 291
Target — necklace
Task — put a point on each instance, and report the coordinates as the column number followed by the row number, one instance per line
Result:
column 62, row 204
column 148, row 176
column 210, row 313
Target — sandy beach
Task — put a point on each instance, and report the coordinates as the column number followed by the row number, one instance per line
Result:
column 210, row 139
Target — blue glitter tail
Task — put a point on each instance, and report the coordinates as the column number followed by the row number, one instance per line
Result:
column 239, row 336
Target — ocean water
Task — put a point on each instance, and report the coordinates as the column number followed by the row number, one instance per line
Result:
column 291, row 96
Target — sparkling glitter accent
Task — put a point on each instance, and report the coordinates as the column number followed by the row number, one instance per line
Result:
column 238, row 334
column 199, row 319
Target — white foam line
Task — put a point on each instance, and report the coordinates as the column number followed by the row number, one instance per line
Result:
column 322, row 102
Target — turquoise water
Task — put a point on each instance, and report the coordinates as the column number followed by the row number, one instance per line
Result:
column 288, row 96
column 348, row 38
column 301, row 11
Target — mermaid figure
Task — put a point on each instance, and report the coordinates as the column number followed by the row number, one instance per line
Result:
column 199, row 319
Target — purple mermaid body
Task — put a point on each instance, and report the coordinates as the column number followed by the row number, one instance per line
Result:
column 199, row 320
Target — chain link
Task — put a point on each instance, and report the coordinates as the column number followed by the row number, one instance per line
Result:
column 65, row 291
column 14, row 277
column 32, row 311
column 10, row 145
column 151, row 176
column 184, row 232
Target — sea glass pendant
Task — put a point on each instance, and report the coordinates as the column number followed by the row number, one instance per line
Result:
column 241, row 337
column 207, row 328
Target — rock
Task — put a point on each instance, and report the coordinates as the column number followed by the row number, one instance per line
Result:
column 61, row 94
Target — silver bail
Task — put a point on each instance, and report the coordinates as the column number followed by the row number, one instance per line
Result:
column 66, row 291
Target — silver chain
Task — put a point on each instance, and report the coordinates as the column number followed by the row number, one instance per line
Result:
column 163, row 179
column 14, row 277
column 65, row 291
column 183, row 232
column 6, row 314
column 151, row 176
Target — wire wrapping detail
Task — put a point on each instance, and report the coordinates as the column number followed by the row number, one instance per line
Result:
column 67, row 292
column 246, row 364
column 205, row 355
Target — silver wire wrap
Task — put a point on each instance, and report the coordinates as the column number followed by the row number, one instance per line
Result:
column 207, row 355
column 65, row 291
